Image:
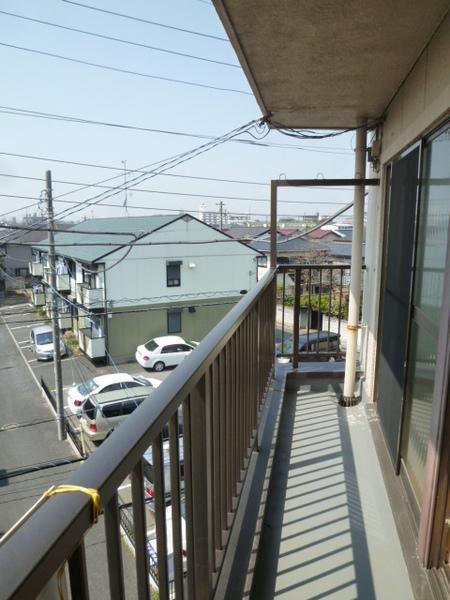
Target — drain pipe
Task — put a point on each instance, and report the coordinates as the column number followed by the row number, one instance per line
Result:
column 348, row 398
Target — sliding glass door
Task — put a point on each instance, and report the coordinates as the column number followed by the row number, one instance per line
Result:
column 429, row 269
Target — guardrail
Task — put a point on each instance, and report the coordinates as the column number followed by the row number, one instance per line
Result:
column 221, row 387
column 312, row 306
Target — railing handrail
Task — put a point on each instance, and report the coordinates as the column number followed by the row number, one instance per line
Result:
column 37, row 549
column 290, row 266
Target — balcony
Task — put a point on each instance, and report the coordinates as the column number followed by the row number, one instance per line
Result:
column 90, row 297
column 38, row 298
column 281, row 492
column 36, row 268
column 62, row 281
column 94, row 347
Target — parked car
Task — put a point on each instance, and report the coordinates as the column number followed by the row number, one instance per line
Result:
column 328, row 342
column 41, row 340
column 102, row 413
column 105, row 383
column 165, row 351
column 149, row 469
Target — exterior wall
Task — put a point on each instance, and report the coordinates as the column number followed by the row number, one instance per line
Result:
column 126, row 331
column 216, row 271
column 422, row 102
column 16, row 257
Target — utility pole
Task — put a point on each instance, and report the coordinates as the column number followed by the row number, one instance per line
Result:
column 54, row 310
column 220, row 205
column 125, row 202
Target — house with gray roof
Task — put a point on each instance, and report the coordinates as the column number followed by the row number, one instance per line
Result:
column 126, row 280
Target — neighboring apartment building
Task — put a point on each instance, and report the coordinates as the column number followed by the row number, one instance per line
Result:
column 122, row 296
column 16, row 258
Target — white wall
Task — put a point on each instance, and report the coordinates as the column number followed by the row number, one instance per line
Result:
column 221, row 269
column 421, row 104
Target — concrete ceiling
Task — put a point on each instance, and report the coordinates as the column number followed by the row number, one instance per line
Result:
column 324, row 64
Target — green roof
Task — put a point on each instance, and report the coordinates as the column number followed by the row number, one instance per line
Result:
column 127, row 225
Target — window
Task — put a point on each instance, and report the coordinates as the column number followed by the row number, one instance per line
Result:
column 261, row 261
column 112, row 410
column 173, row 273
column 174, row 321
column 128, row 406
column 169, row 349
column 184, row 348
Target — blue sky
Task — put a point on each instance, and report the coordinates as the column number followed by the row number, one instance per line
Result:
column 39, row 83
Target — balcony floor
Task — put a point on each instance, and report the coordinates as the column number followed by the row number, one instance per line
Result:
column 328, row 529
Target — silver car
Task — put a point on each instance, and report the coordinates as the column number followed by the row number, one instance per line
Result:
column 102, row 413
column 41, row 339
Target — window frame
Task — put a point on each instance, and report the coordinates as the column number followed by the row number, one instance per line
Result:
column 171, row 280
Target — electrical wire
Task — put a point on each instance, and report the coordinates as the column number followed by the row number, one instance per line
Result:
column 119, row 312
column 169, row 164
column 23, row 112
column 308, row 134
column 120, row 40
column 141, row 20
column 125, row 71
column 96, row 185
column 165, row 165
column 191, row 195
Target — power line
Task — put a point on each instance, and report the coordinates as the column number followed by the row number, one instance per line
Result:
column 141, row 20
column 120, row 40
column 23, row 112
column 126, row 71
column 120, row 312
column 167, row 165
column 154, row 208
column 163, row 166
column 188, row 194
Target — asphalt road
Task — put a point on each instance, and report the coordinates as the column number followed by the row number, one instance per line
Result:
column 28, row 438
column 28, row 435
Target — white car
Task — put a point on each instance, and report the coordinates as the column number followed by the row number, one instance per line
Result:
column 105, row 383
column 165, row 351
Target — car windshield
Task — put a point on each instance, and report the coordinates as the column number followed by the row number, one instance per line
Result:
column 44, row 338
column 151, row 345
column 87, row 388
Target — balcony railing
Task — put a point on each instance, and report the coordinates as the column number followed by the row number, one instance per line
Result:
column 92, row 345
column 312, row 308
column 91, row 297
column 36, row 268
column 220, row 388
column 62, row 281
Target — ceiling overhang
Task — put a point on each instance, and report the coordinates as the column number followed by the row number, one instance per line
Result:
column 328, row 64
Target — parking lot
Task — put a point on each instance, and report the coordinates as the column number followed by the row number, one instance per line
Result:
column 75, row 369
column 39, row 444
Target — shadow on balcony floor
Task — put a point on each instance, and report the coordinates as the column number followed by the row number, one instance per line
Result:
column 328, row 529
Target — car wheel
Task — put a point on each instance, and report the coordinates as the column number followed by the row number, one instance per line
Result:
column 159, row 366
